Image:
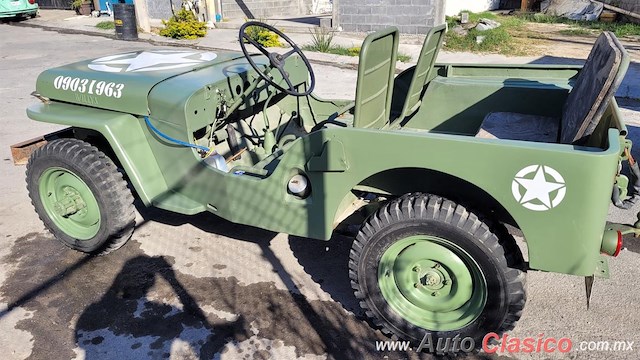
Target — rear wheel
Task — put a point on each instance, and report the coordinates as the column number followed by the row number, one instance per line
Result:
column 425, row 265
column 80, row 196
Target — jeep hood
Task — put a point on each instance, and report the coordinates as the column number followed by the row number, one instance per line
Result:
column 122, row 82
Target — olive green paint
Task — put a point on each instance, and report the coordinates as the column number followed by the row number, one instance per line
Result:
column 432, row 282
column 434, row 143
column 125, row 134
column 69, row 203
column 374, row 88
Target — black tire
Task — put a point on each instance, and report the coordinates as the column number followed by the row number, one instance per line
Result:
column 498, row 257
column 97, row 170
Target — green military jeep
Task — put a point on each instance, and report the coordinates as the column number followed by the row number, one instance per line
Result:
column 438, row 159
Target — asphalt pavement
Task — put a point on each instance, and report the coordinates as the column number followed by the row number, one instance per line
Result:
column 201, row 287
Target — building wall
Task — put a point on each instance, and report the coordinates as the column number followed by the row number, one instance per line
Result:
column 410, row 16
column 239, row 9
column 257, row 9
column 453, row 7
column 161, row 9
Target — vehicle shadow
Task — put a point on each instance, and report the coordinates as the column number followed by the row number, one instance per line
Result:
column 318, row 326
column 124, row 309
column 15, row 19
column 306, row 20
column 327, row 262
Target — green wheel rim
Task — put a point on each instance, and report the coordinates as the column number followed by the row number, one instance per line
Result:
column 69, row 203
column 432, row 283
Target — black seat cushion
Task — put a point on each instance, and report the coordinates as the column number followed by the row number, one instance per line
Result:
column 595, row 86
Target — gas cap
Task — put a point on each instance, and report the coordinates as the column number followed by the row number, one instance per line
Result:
column 298, row 185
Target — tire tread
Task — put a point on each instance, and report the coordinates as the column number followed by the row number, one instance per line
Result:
column 120, row 212
column 431, row 207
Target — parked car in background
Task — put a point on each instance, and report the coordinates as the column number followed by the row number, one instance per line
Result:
column 18, row 8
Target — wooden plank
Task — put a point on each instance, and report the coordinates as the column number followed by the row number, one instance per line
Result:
column 21, row 151
column 524, row 5
column 616, row 9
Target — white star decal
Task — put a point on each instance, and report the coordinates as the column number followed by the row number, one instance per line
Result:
column 538, row 190
column 150, row 61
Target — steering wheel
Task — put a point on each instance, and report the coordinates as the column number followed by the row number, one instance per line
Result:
column 277, row 60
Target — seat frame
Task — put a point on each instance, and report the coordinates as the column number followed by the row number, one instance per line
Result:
column 422, row 73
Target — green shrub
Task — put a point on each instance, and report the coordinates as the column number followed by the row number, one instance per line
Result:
column 263, row 36
column 498, row 40
column 183, row 25
column 575, row 32
column 343, row 50
column 75, row 4
column 404, row 57
column 106, row 25
column 268, row 39
column 353, row 51
column 321, row 39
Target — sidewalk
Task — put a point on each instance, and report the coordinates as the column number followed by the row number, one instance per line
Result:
column 226, row 39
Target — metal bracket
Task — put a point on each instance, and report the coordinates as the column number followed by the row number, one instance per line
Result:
column 620, row 196
column 332, row 158
column 622, row 183
column 626, row 229
column 626, row 146
column 602, row 267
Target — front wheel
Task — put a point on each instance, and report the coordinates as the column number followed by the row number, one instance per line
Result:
column 425, row 265
column 80, row 196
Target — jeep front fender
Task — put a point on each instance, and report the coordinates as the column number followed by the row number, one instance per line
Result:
column 124, row 132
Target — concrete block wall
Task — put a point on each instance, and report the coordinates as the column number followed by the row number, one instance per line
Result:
column 410, row 16
column 239, row 9
column 161, row 9
column 257, row 9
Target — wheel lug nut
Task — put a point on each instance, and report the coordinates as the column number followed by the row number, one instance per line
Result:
column 416, row 268
column 444, row 282
column 417, row 285
column 436, row 266
column 435, row 293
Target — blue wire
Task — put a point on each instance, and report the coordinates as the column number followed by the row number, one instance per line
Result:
column 169, row 138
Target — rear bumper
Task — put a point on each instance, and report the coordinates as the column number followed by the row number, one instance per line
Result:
column 32, row 10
